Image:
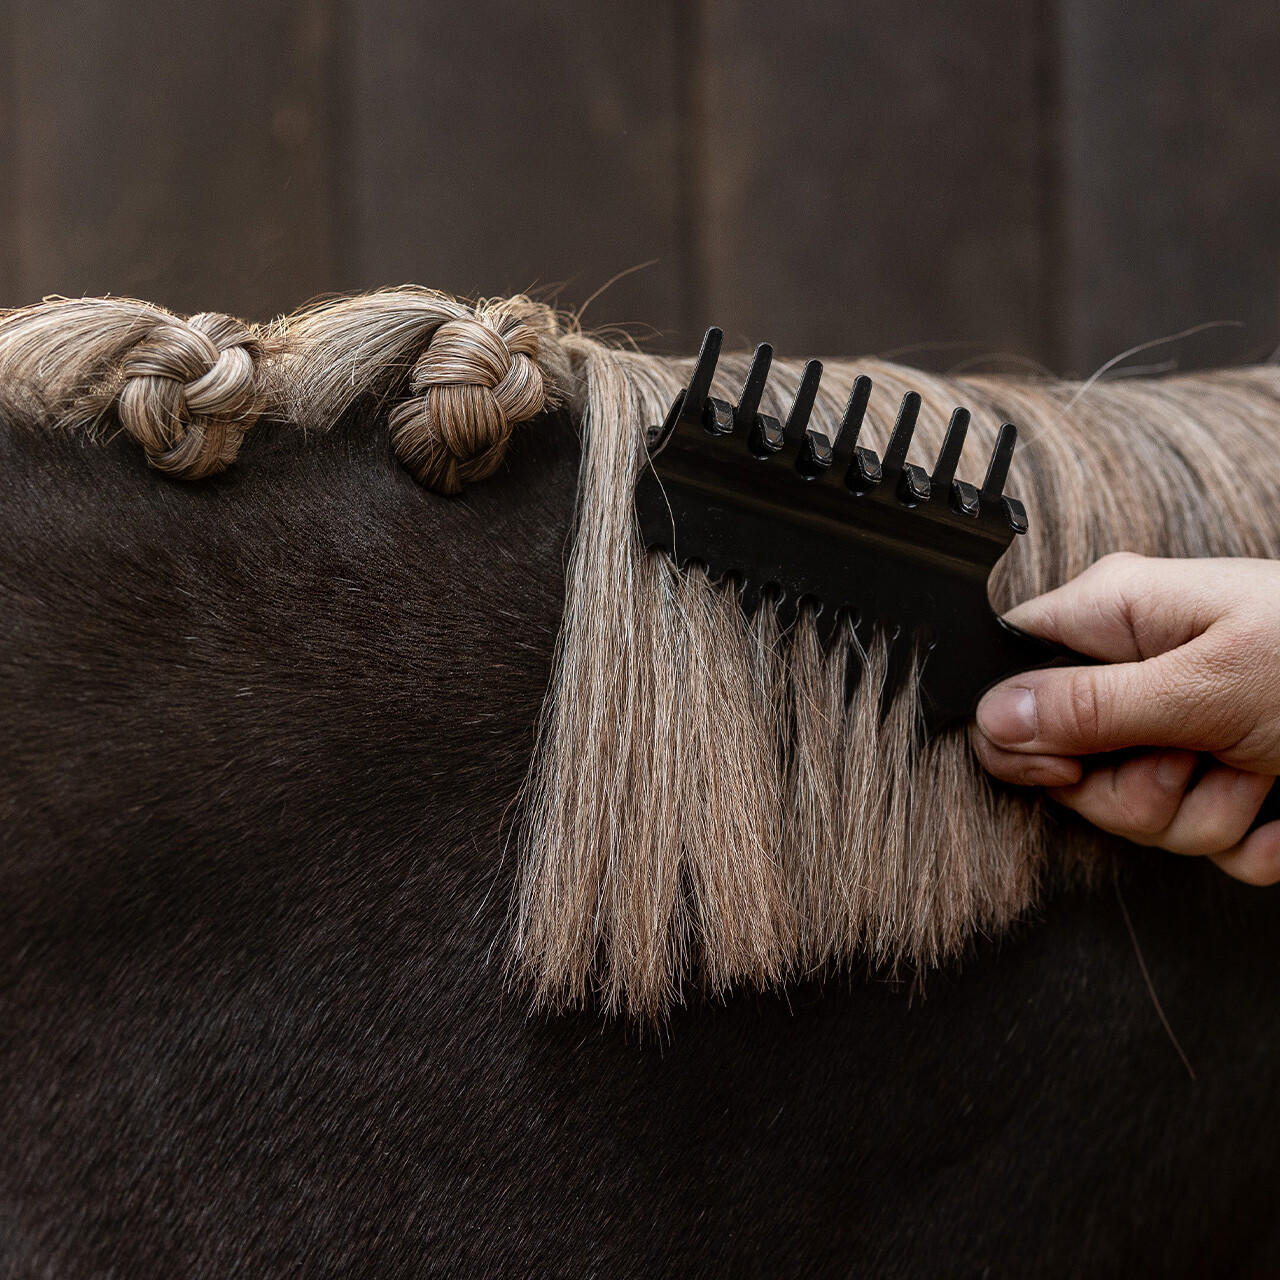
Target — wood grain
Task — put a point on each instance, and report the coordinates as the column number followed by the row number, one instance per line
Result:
column 174, row 152
column 1058, row 180
column 501, row 148
column 1170, row 117
column 872, row 176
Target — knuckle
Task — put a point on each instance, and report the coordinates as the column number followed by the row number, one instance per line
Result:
column 1113, row 598
column 1258, row 745
column 1255, row 861
column 1248, row 641
column 1215, row 834
column 1082, row 713
column 1133, row 805
column 1145, row 814
column 1262, row 874
column 1116, row 564
column 1266, row 862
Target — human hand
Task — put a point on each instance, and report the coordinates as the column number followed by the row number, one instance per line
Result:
column 1193, row 648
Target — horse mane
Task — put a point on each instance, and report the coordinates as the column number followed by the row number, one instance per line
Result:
column 703, row 807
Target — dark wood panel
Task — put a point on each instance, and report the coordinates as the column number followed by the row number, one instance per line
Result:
column 1170, row 117
column 872, row 175
column 175, row 152
column 499, row 148
column 837, row 178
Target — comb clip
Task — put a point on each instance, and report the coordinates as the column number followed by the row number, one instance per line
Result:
column 795, row 517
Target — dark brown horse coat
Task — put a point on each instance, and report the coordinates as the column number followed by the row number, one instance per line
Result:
column 258, row 736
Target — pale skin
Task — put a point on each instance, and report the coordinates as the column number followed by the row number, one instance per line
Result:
column 1191, row 669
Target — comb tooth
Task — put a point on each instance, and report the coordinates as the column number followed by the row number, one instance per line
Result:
column 1016, row 514
column 786, row 607
column 718, row 417
column 815, row 454
column 766, row 436
column 851, row 423
column 964, row 498
column 914, row 486
column 699, row 388
column 998, row 471
column 744, row 416
column 763, row 433
column 896, row 454
column 852, row 672
column 802, row 405
column 864, row 471
column 898, row 660
column 690, row 405
column 826, row 621
column 944, row 471
column 657, row 437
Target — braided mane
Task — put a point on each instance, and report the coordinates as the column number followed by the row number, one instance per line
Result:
column 458, row 378
column 704, row 805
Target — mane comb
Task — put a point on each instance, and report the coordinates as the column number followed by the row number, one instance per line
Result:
column 798, row 519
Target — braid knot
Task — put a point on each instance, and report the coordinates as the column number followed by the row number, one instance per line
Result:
column 190, row 391
column 478, row 378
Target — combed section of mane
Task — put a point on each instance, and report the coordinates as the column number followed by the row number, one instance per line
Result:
column 704, row 808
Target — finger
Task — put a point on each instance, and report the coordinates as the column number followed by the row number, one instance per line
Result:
column 1165, row 701
column 1256, row 859
column 1122, row 608
column 1216, row 813
column 1025, row 770
column 1137, row 799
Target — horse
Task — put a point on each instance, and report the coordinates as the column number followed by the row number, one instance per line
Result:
column 262, row 738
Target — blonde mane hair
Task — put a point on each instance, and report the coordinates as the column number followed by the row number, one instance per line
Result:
column 703, row 808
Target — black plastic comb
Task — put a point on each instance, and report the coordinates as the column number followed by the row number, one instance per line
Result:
column 799, row 518
column 794, row 518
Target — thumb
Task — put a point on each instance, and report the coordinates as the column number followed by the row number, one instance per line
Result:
column 1073, row 711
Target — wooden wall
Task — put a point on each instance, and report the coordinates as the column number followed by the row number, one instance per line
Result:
column 1047, row 179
